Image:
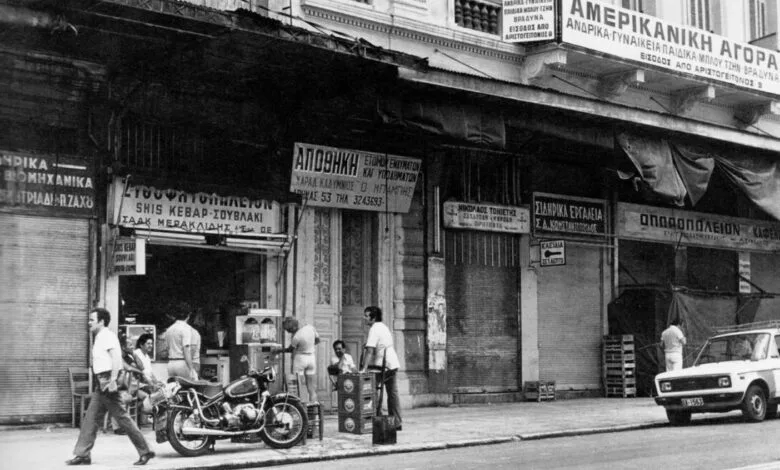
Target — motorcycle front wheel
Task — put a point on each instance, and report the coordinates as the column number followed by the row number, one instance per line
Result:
column 285, row 423
column 188, row 446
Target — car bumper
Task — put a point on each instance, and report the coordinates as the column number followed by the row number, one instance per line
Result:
column 712, row 402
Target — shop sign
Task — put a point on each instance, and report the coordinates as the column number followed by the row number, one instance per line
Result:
column 528, row 20
column 553, row 213
column 129, row 256
column 627, row 34
column 660, row 224
column 552, row 253
column 353, row 179
column 146, row 207
column 47, row 183
column 487, row 217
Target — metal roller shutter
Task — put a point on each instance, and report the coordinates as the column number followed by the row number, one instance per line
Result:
column 482, row 312
column 43, row 304
column 570, row 322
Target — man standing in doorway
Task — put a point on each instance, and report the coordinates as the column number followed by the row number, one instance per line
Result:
column 673, row 340
column 381, row 353
column 180, row 340
column 302, row 345
column 106, row 363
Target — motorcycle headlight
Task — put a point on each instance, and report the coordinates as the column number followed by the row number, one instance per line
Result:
column 724, row 382
column 666, row 386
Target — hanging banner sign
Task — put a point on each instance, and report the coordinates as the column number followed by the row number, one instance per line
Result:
column 487, row 217
column 353, row 179
column 528, row 20
column 660, row 224
column 47, row 183
column 145, row 207
column 129, row 256
column 626, row 34
column 556, row 214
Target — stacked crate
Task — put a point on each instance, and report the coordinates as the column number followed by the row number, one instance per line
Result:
column 357, row 402
column 539, row 390
column 619, row 361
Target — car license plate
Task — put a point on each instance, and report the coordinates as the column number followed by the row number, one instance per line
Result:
column 697, row 401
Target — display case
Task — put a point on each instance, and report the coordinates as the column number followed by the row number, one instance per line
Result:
column 259, row 326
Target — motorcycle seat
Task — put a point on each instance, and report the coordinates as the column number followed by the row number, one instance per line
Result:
column 210, row 389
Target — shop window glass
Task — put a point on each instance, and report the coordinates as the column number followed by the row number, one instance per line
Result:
column 481, row 176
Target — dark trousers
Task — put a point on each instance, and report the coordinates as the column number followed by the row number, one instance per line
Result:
column 393, row 398
column 99, row 403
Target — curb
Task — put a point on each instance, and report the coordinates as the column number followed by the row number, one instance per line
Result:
column 408, row 448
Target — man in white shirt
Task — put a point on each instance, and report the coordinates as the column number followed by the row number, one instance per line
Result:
column 106, row 363
column 302, row 345
column 381, row 352
column 179, row 337
column 342, row 362
column 673, row 340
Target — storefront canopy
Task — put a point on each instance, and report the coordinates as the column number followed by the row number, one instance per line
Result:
column 674, row 170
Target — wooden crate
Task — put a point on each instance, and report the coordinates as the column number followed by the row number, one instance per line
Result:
column 359, row 424
column 539, row 390
column 356, row 385
column 351, row 405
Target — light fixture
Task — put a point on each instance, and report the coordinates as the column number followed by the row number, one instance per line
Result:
column 278, row 243
column 157, row 237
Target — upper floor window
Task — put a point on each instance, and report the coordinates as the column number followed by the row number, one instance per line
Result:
column 642, row 6
column 757, row 12
column 700, row 14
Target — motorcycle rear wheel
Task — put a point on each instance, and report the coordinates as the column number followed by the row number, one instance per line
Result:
column 285, row 423
column 188, row 446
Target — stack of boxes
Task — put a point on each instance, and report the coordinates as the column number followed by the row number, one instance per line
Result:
column 357, row 402
column 619, row 366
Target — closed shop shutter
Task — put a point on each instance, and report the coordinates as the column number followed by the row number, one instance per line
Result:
column 482, row 312
column 43, row 303
column 570, row 324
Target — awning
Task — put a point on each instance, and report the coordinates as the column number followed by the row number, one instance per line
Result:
column 674, row 170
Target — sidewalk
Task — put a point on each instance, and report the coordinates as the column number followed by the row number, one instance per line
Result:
column 424, row 429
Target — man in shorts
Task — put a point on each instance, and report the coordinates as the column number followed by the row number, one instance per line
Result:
column 302, row 345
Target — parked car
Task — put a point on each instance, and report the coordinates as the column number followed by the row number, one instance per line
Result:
column 737, row 369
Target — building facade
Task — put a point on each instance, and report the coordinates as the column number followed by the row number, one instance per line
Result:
column 493, row 176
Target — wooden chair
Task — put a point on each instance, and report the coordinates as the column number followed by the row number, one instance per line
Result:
column 80, row 391
column 295, row 383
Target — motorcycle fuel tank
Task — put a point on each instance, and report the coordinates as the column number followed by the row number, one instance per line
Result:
column 242, row 387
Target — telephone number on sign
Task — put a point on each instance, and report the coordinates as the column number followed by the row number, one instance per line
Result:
column 368, row 201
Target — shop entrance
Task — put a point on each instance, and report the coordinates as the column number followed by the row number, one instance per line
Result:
column 217, row 285
column 483, row 312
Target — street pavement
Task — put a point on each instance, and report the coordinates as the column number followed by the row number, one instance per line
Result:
column 433, row 428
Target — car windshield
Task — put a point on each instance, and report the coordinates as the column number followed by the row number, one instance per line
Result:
column 747, row 346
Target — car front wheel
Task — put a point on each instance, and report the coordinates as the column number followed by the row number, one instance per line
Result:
column 754, row 405
column 678, row 418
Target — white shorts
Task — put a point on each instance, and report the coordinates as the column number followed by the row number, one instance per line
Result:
column 305, row 363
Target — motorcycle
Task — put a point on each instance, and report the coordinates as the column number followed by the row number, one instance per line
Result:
column 192, row 415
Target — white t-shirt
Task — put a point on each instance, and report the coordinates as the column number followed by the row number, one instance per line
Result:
column 304, row 340
column 346, row 363
column 105, row 340
column 673, row 340
column 145, row 363
column 379, row 337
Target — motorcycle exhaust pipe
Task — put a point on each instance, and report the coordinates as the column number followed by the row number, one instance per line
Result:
column 188, row 431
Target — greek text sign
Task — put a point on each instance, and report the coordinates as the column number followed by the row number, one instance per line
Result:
column 46, row 182
column 488, row 217
column 553, row 213
column 353, row 179
column 552, row 253
column 145, row 207
column 627, row 34
column 528, row 20
column 129, row 256
column 693, row 228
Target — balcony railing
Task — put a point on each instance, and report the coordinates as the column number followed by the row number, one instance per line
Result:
column 477, row 15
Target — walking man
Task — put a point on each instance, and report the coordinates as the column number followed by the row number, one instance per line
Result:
column 106, row 363
column 381, row 353
column 673, row 340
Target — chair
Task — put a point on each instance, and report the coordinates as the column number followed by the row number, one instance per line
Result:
column 295, row 383
column 79, row 392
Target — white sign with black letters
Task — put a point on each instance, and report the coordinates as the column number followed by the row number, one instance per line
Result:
column 552, row 253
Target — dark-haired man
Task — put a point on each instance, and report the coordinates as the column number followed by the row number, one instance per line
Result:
column 181, row 345
column 342, row 363
column 106, row 363
column 380, row 352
